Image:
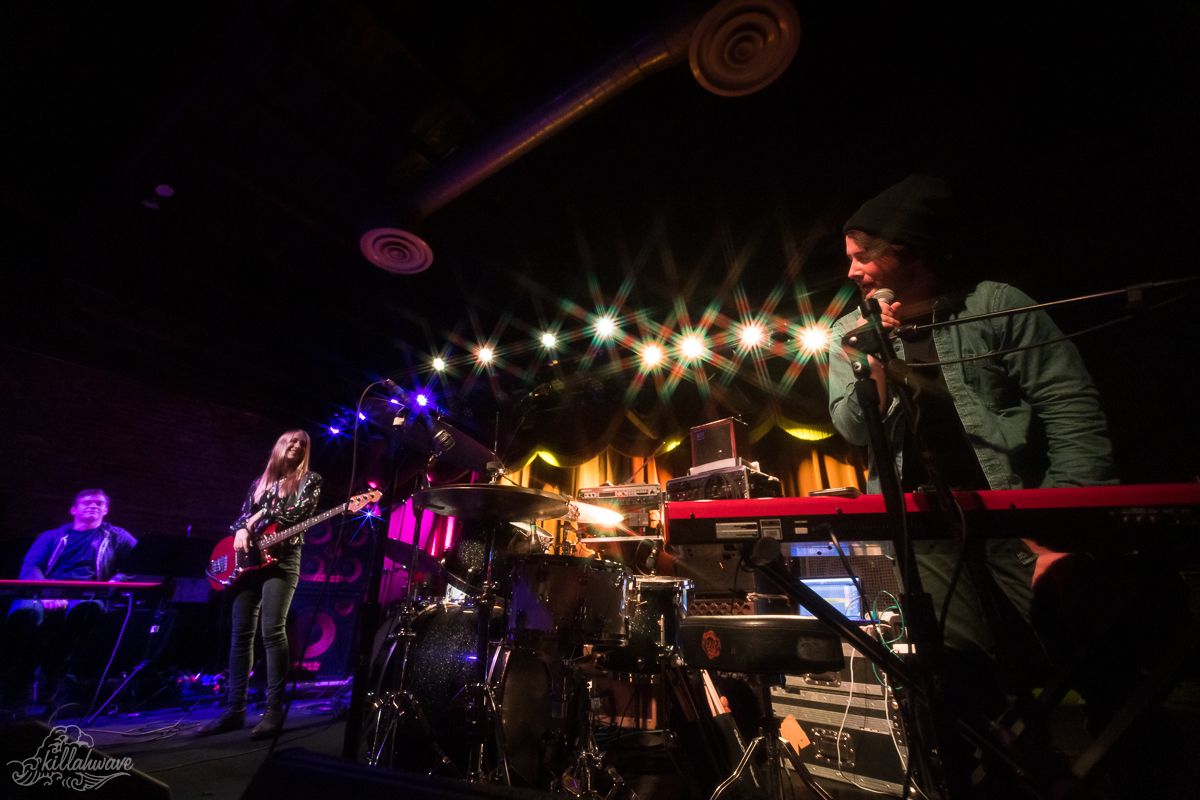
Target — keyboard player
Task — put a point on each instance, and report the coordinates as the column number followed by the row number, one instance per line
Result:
column 1029, row 416
column 61, row 633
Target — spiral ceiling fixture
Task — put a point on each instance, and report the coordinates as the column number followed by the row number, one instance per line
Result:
column 396, row 250
column 742, row 46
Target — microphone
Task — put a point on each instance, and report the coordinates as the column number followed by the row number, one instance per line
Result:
column 863, row 338
column 392, row 387
column 443, row 439
column 883, row 295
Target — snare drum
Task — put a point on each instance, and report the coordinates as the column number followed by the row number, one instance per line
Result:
column 564, row 600
column 655, row 606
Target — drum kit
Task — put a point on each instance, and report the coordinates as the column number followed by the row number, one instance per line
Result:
column 493, row 681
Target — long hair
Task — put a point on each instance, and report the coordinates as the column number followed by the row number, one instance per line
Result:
column 278, row 469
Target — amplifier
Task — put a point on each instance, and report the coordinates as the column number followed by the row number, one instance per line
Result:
column 851, row 723
column 719, row 444
column 634, row 500
column 724, row 484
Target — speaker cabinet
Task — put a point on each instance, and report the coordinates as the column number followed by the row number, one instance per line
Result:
column 321, row 631
column 321, row 558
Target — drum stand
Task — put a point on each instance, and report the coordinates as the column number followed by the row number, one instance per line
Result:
column 480, row 699
column 580, row 779
column 775, row 782
column 387, row 709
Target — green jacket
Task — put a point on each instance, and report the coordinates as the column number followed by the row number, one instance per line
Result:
column 1032, row 417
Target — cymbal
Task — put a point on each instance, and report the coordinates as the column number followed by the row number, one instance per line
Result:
column 401, row 553
column 491, row 502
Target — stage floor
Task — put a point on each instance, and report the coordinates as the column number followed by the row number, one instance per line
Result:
column 161, row 743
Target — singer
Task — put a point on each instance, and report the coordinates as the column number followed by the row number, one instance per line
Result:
column 1029, row 418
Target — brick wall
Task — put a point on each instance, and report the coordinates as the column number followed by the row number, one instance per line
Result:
column 168, row 461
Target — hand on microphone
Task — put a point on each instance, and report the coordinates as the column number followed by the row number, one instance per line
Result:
column 889, row 309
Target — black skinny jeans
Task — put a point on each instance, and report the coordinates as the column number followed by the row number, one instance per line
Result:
column 265, row 593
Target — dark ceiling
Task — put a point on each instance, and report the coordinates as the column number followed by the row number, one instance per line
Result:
column 285, row 130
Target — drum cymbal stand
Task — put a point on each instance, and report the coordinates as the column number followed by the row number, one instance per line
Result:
column 480, row 699
column 387, row 708
column 580, row 780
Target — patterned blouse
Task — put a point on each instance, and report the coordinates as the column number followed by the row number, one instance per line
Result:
column 288, row 510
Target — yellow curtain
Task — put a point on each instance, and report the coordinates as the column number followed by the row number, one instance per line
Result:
column 801, row 467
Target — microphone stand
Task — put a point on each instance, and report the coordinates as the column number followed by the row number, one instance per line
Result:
column 868, row 338
column 370, row 618
column 929, row 719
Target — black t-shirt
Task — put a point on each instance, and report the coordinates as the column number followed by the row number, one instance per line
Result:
column 77, row 561
column 939, row 423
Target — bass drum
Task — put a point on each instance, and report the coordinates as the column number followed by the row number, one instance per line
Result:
column 422, row 726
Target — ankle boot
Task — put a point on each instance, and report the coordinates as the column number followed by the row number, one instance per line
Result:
column 270, row 724
column 229, row 721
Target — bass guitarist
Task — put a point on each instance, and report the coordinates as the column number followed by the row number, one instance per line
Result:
column 286, row 493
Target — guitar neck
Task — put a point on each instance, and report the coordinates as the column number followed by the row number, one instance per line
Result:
column 300, row 527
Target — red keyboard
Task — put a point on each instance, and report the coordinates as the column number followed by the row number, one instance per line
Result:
column 1074, row 516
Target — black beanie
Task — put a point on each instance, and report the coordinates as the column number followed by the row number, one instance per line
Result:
column 916, row 211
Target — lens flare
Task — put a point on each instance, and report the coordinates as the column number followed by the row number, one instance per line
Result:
column 814, row 338
column 606, row 327
column 752, row 335
column 692, row 346
column 652, row 355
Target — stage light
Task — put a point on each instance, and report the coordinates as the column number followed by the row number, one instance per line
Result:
column 652, row 355
column 671, row 445
column 549, row 340
column 606, row 327
column 394, row 401
column 362, row 416
column 485, row 355
column 692, row 346
column 334, row 430
column 814, row 338
column 439, row 364
column 422, row 400
column 751, row 335
column 808, row 433
column 595, row 515
column 548, row 457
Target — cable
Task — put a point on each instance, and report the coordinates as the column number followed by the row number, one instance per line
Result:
column 1064, row 338
column 241, row 753
column 334, row 560
column 851, row 778
column 957, row 574
column 112, row 656
column 862, row 597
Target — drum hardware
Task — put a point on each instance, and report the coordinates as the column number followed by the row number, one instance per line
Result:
column 412, row 559
column 763, row 647
column 492, row 505
column 580, row 779
column 655, row 606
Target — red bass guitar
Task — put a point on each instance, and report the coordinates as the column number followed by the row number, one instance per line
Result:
column 226, row 564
